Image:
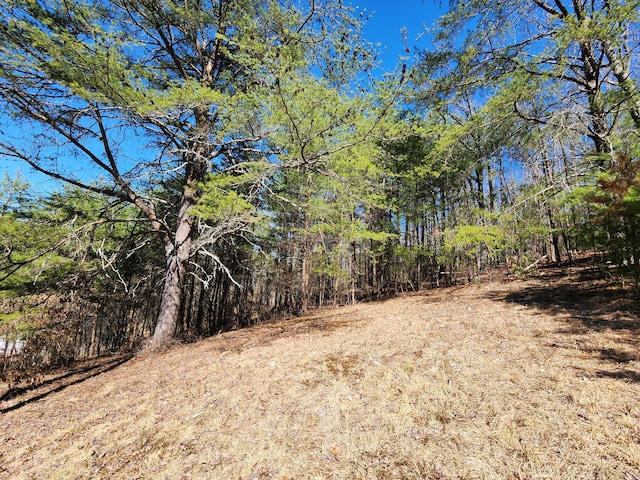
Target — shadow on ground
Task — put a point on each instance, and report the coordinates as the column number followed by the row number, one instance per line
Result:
column 262, row 334
column 588, row 302
column 16, row 398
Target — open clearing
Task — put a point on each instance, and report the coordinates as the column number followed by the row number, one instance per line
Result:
column 516, row 380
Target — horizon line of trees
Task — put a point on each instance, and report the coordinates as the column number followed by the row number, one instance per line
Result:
column 229, row 162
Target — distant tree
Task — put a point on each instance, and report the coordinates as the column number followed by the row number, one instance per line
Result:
column 543, row 91
column 76, row 275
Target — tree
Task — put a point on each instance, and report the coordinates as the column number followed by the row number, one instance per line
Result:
column 586, row 47
column 547, row 89
column 125, row 98
column 71, row 271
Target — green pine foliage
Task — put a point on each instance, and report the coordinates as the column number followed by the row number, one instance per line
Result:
column 236, row 161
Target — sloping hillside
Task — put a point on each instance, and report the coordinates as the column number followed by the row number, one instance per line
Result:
column 535, row 379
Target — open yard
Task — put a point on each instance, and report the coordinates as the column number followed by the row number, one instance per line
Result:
column 525, row 379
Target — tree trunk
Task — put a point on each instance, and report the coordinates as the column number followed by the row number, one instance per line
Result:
column 306, row 295
column 177, row 257
column 554, row 245
column 622, row 72
column 171, row 301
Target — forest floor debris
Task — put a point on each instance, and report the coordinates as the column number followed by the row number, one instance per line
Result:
column 535, row 378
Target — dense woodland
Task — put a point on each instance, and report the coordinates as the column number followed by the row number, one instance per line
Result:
column 222, row 163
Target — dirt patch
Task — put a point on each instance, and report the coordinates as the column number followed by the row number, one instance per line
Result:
column 521, row 379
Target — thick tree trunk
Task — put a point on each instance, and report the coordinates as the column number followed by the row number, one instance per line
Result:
column 171, row 302
column 177, row 257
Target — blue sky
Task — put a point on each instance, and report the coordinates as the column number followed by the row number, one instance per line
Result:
column 389, row 18
column 384, row 28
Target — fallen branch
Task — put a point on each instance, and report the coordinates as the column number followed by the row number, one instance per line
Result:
column 534, row 263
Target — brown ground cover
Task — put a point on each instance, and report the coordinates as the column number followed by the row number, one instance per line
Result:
column 526, row 379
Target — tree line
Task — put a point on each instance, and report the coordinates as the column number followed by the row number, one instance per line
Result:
column 221, row 163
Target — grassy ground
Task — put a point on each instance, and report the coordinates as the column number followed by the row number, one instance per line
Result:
column 521, row 380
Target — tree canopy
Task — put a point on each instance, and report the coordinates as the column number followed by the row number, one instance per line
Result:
column 167, row 106
column 232, row 160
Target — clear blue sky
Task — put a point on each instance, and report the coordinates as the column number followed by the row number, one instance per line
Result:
column 389, row 16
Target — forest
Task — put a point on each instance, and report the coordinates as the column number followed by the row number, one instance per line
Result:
column 221, row 163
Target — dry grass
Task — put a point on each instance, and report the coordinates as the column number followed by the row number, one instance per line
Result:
column 508, row 381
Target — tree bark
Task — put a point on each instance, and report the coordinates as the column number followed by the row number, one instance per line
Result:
column 177, row 257
column 621, row 71
column 171, row 302
column 305, row 267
